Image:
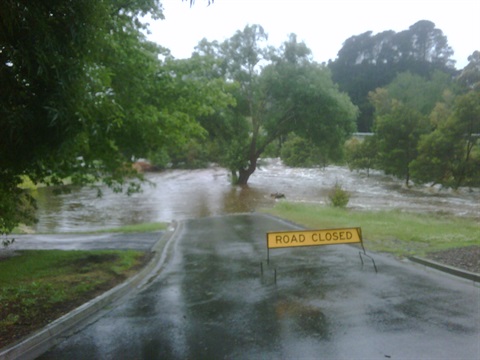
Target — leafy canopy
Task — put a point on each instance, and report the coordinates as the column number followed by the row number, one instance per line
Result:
column 426, row 129
column 84, row 94
column 369, row 61
column 277, row 92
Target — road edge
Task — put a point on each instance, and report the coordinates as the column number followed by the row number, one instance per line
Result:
column 446, row 268
column 41, row 341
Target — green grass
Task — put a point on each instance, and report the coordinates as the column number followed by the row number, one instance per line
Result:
column 38, row 286
column 395, row 232
column 136, row 228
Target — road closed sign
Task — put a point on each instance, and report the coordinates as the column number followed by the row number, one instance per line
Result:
column 283, row 239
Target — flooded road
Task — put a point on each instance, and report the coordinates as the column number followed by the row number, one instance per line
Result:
column 186, row 194
column 211, row 301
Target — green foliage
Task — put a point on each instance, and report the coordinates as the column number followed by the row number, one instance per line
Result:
column 361, row 154
column 443, row 150
column 84, row 94
column 433, row 163
column 418, row 92
column 298, row 152
column 338, row 196
column 401, row 119
column 397, row 134
column 16, row 205
column 289, row 93
column 192, row 155
column 273, row 150
column 159, row 159
column 303, row 99
column 450, row 154
column 470, row 76
column 369, row 61
column 57, row 107
column 236, row 156
column 136, row 228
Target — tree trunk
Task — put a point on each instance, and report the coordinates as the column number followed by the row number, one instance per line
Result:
column 244, row 174
column 253, row 154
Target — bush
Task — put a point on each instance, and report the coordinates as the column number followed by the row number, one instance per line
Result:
column 338, row 196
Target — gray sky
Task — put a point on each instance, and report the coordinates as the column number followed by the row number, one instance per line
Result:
column 322, row 24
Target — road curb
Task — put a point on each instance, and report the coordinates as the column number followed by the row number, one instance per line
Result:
column 446, row 268
column 42, row 340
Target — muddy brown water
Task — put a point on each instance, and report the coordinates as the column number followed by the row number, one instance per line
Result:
column 184, row 194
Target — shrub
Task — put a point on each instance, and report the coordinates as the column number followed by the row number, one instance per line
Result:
column 338, row 196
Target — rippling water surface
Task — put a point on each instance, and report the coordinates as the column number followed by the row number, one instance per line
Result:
column 181, row 194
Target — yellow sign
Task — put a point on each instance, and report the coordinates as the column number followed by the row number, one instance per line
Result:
column 313, row 237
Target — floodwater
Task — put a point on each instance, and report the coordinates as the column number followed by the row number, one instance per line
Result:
column 186, row 194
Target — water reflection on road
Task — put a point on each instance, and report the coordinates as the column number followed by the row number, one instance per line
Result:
column 183, row 194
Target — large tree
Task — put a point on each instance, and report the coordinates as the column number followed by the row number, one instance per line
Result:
column 279, row 91
column 427, row 130
column 402, row 111
column 450, row 154
column 369, row 61
column 45, row 52
column 397, row 134
column 83, row 94
column 469, row 78
column 401, row 118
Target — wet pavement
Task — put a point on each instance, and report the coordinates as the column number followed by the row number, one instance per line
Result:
column 211, row 301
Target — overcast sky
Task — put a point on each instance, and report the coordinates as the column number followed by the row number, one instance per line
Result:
column 322, row 24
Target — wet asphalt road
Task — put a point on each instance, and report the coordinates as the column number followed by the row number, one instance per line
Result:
column 211, row 302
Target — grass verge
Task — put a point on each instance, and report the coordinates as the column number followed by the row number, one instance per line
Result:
column 399, row 233
column 39, row 286
column 136, row 228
